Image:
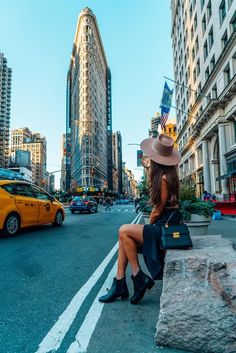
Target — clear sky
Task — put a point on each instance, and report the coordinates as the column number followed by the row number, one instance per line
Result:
column 37, row 37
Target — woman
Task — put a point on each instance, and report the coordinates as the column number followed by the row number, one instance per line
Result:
column 164, row 192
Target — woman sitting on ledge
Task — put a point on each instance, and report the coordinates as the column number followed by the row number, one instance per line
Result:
column 161, row 161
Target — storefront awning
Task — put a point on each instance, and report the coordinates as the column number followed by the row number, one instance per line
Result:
column 226, row 176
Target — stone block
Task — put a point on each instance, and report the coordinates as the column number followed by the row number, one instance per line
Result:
column 198, row 301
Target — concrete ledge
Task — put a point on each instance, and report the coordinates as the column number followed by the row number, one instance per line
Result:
column 198, row 301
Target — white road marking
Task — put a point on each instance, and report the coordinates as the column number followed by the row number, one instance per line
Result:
column 86, row 330
column 88, row 326
column 54, row 337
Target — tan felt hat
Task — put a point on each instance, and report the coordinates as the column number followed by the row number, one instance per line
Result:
column 161, row 150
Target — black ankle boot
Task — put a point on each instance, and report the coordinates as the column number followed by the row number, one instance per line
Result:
column 118, row 289
column 141, row 283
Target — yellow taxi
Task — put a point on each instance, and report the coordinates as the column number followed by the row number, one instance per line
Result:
column 23, row 205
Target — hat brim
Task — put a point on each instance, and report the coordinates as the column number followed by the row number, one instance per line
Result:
column 173, row 159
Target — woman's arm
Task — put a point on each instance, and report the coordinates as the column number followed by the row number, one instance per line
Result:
column 158, row 209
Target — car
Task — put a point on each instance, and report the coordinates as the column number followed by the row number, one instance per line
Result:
column 124, row 201
column 82, row 203
column 23, row 204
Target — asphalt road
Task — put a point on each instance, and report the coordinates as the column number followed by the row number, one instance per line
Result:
column 44, row 268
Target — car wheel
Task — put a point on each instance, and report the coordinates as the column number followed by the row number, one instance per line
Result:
column 58, row 219
column 11, row 224
column 96, row 210
column 72, row 211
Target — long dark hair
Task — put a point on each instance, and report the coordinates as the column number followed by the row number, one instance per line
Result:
column 155, row 180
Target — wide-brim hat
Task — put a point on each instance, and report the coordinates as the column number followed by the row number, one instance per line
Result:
column 161, row 150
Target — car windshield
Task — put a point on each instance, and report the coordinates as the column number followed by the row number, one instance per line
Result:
column 80, row 198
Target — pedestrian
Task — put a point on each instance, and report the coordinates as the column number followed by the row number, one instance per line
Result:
column 206, row 196
column 108, row 204
column 164, row 193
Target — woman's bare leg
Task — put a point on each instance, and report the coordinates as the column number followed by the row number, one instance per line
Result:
column 130, row 235
column 122, row 261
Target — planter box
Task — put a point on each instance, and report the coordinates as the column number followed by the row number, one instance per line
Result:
column 198, row 225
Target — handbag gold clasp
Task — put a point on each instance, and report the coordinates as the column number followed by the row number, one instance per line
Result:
column 176, row 235
column 166, row 225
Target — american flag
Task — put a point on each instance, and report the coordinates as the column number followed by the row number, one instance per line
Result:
column 164, row 118
column 165, row 105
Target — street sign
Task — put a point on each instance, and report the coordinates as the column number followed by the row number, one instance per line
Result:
column 139, row 158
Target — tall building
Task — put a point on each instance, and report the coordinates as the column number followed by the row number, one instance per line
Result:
column 24, row 139
column 117, row 161
column 170, row 130
column 204, row 53
column 63, row 163
column 89, row 120
column 5, row 110
column 155, row 122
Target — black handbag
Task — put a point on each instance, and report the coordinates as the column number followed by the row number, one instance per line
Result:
column 175, row 236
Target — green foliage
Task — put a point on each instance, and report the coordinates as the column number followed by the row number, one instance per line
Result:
column 204, row 208
column 145, row 205
column 187, row 194
column 143, row 187
column 144, row 202
column 190, row 204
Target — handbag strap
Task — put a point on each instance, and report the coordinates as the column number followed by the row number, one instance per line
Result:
column 169, row 218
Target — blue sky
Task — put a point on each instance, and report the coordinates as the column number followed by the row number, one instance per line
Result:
column 37, row 38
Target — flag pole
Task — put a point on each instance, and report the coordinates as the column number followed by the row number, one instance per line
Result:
column 181, row 84
column 184, row 112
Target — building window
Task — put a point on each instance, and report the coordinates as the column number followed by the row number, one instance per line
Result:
column 204, row 24
column 212, row 62
column 230, row 3
column 235, row 131
column 199, row 88
column 207, row 73
column 190, row 11
column 224, row 39
column 227, row 75
column 193, row 54
column 233, row 23
column 209, row 11
column 205, row 50
column 197, row 45
column 195, row 22
column 234, row 63
column 222, row 11
column 198, row 67
column 194, row 75
column 202, row 4
column 210, row 38
column 192, row 33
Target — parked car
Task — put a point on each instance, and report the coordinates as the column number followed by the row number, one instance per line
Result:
column 81, row 203
column 23, row 205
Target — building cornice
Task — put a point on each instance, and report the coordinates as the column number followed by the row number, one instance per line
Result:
column 221, row 102
column 223, row 98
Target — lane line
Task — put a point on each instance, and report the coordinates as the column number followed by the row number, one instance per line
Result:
column 88, row 326
column 53, row 339
column 86, row 330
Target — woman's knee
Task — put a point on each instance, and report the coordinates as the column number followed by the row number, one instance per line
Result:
column 123, row 232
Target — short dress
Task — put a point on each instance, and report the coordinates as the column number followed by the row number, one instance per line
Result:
column 153, row 255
